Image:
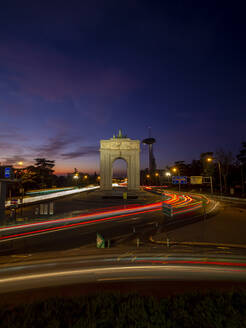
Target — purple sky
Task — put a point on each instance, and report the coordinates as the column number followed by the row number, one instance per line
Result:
column 72, row 73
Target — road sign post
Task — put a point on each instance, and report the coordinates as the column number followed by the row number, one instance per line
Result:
column 179, row 180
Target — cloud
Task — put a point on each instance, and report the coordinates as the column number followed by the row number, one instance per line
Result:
column 81, row 152
column 11, row 140
column 12, row 160
column 54, row 146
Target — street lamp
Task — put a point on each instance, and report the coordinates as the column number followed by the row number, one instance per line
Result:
column 147, row 177
column 209, row 160
column 168, row 174
column 157, row 180
column 175, row 169
column 76, row 177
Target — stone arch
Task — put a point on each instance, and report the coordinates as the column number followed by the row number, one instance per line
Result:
column 126, row 149
column 114, row 160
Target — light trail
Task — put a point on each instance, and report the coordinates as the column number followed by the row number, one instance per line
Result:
column 181, row 204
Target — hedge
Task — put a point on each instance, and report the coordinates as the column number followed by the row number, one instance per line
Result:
column 113, row 310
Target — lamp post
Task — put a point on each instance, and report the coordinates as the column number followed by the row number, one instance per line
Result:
column 147, row 177
column 210, row 159
column 175, row 169
column 76, row 178
column 156, row 177
column 168, row 174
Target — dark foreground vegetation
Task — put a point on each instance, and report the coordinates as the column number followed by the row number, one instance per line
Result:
column 213, row 309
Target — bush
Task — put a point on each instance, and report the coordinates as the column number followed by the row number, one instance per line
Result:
column 214, row 309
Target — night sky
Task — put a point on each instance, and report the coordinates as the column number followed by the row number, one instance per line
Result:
column 74, row 72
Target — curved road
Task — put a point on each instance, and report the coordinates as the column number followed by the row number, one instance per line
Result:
column 113, row 268
column 117, row 223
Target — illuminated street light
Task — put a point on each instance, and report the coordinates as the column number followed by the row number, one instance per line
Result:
column 85, row 176
column 156, row 174
column 168, row 174
column 174, row 169
column 98, row 178
column 209, row 159
column 20, row 163
column 147, row 176
column 76, row 176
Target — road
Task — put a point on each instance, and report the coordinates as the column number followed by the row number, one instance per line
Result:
column 117, row 224
column 69, row 255
column 117, row 267
column 228, row 226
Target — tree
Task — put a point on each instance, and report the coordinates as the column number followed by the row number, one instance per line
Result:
column 242, row 154
column 45, row 171
column 29, row 178
column 242, row 159
column 44, row 163
column 195, row 167
column 226, row 159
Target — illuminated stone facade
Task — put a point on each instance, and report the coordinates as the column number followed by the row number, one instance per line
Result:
column 126, row 149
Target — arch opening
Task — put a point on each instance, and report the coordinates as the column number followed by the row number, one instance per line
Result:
column 119, row 170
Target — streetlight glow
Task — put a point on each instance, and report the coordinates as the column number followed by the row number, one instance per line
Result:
column 168, row 174
column 209, row 159
column 156, row 174
column 147, row 176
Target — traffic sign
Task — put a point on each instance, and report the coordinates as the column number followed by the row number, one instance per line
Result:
column 167, row 209
column 179, row 180
column 7, row 172
column 100, row 241
column 125, row 195
column 196, row 179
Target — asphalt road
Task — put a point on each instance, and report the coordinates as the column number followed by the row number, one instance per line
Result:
column 114, row 267
column 77, row 204
column 24, row 263
column 115, row 231
column 122, row 229
column 228, row 226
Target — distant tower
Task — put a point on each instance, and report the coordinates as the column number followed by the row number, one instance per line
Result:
column 150, row 141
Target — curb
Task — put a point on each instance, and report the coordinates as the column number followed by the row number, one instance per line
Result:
column 195, row 243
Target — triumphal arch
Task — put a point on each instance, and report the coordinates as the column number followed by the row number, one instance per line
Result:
column 120, row 147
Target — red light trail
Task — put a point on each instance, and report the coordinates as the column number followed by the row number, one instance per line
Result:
column 181, row 204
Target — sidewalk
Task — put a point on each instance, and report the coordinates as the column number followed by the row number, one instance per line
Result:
column 226, row 227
